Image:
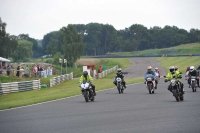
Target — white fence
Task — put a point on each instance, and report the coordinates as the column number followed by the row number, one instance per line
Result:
column 59, row 79
column 104, row 73
column 11, row 87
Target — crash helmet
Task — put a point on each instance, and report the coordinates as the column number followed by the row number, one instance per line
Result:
column 192, row 68
column 171, row 69
column 85, row 73
column 176, row 68
column 149, row 68
column 119, row 70
column 156, row 69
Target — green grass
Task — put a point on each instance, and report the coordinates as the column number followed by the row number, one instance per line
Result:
column 192, row 48
column 181, row 62
column 66, row 89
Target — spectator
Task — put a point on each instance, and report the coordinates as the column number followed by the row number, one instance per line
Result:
column 22, row 71
column 48, row 71
column 35, row 70
column 27, row 71
column 18, row 70
column 8, row 70
column 100, row 69
column 51, row 70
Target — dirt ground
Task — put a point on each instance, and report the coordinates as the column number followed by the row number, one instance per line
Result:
column 87, row 61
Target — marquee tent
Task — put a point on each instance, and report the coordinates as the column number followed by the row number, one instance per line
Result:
column 4, row 59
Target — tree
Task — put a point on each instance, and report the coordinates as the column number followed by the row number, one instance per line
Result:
column 73, row 46
column 23, row 51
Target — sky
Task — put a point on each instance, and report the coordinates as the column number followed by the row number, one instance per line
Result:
column 39, row 17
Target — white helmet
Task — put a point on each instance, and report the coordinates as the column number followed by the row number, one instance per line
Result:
column 192, row 68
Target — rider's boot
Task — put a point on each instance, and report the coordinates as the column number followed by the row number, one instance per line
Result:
column 124, row 84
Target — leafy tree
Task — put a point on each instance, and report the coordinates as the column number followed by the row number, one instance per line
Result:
column 73, row 46
column 56, row 57
column 23, row 51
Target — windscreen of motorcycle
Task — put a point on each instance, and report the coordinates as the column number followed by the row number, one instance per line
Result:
column 118, row 79
column 84, row 85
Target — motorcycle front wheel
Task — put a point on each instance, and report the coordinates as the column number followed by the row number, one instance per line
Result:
column 175, row 94
column 119, row 88
column 149, row 88
column 193, row 86
column 85, row 94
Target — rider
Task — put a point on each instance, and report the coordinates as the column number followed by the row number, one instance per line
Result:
column 149, row 71
column 179, row 77
column 89, row 79
column 157, row 71
column 173, row 74
column 121, row 75
column 193, row 72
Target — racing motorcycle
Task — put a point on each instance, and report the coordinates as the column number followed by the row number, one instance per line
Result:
column 87, row 91
column 120, row 86
column 176, row 89
column 150, row 83
column 193, row 83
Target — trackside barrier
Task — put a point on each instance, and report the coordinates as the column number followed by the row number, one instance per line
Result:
column 104, row 73
column 59, row 79
column 11, row 87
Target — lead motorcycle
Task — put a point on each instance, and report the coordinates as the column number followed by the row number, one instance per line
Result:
column 87, row 91
column 150, row 83
column 176, row 89
column 120, row 86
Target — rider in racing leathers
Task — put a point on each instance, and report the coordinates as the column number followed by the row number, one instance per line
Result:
column 193, row 72
column 121, row 75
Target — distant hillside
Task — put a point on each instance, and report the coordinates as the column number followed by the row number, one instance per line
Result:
column 192, row 48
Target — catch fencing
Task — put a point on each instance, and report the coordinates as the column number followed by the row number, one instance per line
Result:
column 104, row 73
column 59, row 79
column 11, row 87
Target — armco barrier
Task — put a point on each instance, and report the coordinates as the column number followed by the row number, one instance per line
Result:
column 59, row 79
column 11, row 87
column 104, row 73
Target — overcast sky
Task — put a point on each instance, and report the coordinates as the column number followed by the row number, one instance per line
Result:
column 39, row 17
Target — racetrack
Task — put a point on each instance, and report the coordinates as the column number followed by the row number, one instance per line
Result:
column 135, row 111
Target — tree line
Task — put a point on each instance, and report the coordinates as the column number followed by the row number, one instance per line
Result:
column 100, row 39
column 92, row 39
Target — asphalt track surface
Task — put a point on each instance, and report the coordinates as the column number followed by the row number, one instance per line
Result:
column 135, row 111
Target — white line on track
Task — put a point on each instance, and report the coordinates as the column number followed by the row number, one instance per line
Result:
column 57, row 99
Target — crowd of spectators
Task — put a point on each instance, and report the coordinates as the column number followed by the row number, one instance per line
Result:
column 39, row 71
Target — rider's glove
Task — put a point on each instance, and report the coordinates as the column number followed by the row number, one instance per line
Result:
column 180, row 76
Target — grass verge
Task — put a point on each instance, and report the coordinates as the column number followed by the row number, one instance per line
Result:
column 181, row 62
column 66, row 89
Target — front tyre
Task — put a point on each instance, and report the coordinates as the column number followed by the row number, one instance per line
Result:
column 149, row 88
column 193, row 86
column 119, row 88
column 85, row 94
column 176, row 95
